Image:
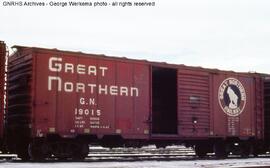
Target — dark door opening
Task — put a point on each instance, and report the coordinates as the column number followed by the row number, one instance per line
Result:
column 164, row 100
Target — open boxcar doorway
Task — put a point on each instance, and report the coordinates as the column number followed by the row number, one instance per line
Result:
column 164, row 100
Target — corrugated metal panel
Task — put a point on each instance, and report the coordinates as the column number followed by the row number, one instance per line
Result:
column 259, row 107
column 58, row 111
column 19, row 91
column 238, row 121
column 267, row 108
column 2, row 83
column 193, row 103
column 90, row 95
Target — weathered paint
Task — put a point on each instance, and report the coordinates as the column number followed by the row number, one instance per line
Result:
column 204, row 112
column 76, row 93
column 2, row 83
column 193, row 103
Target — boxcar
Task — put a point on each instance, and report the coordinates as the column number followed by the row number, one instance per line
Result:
column 60, row 102
column 211, row 110
column 66, row 100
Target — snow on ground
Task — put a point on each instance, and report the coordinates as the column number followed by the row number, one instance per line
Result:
column 146, row 164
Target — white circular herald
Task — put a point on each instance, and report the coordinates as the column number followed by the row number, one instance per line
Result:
column 232, row 97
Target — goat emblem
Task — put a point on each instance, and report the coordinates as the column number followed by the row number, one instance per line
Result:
column 232, row 97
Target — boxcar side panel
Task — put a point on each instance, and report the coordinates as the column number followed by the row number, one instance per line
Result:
column 85, row 118
column 67, row 119
column 45, row 100
column 88, row 95
column 233, row 106
column 141, row 105
column 2, row 83
column 193, row 103
column 259, row 99
column 246, row 123
column 124, row 104
column 218, row 116
column 106, row 104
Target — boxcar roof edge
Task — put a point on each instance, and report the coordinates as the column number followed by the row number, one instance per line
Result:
column 125, row 59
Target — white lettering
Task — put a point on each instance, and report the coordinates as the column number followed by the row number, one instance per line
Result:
column 69, row 68
column 68, row 86
column 86, row 112
column 82, row 101
column 134, row 90
column 113, row 90
column 103, row 70
column 92, row 86
column 57, row 67
column 57, row 79
column 94, row 114
column 92, row 70
column 80, row 87
column 98, row 112
column 92, row 101
column 80, row 69
column 102, row 89
column 123, row 91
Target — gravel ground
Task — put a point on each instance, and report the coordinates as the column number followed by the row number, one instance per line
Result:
column 253, row 162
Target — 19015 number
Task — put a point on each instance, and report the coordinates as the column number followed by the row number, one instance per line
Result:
column 87, row 112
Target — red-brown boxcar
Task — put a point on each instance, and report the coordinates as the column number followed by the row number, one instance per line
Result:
column 62, row 94
column 225, row 107
column 59, row 102
column 215, row 111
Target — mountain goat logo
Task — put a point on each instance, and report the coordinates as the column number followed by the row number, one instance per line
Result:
column 232, row 97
